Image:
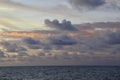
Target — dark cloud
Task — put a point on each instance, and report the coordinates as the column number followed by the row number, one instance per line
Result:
column 22, row 53
column 51, row 47
column 63, row 40
column 2, row 54
column 114, row 38
column 32, row 43
column 86, row 4
column 65, row 25
column 34, row 46
column 58, row 47
column 41, row 54
column 97, row 43
column 21, row 49
column 30, row 40
column 93, row 44
column 5, row 43
column 12, row 48
column 112, row 5
column 75, row 56
column 47, row 47
column 108, row 41
column 115, row 49
column 65, row 55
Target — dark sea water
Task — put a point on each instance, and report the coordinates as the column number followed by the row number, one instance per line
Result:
column 60, row 73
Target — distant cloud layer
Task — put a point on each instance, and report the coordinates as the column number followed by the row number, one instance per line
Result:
column 87, row 4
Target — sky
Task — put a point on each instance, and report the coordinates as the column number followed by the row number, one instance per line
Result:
column 56, row 32
column 31, row 14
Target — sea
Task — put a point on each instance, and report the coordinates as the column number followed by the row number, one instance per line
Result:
column 60, row 73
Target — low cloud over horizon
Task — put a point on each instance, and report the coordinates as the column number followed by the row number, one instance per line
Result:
column 85, row 47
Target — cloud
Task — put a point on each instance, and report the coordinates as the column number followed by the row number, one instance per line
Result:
column 29, row 40
column 58, row 47
column 86, row 4
column 2, row 54
column 35, row 46
column 11, row 47
column 115, row 49
column 65, row 55
column 113, row 4
column 63, row 40
column 41, row 54
column 5, row 43
column 97, row 43
column 114, row 38
column 93, row 44
column 32, row 43
column 47, row 47
column 75, row 56
column 65, row 25
column 22, row 53
column 21, row 49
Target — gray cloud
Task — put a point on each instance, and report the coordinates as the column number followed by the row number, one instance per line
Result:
column 22, row 53
column 97, row 43
column 47, row 47
column 2, row 54
column 50, row 47
column 112, row 5
column 21, row 49
column 65, row 55
column 76, row 56
column 115, row 49
column 114, row 38
column 5, row 43
column 86, row 4
column 34, row 46
column 58, row 47
column 29, row 40
column 11, row 47
column 32, row 43
column 93, row 44
column 107, row 41
column 41, row 54
column 63, row 40
column 65, row 25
